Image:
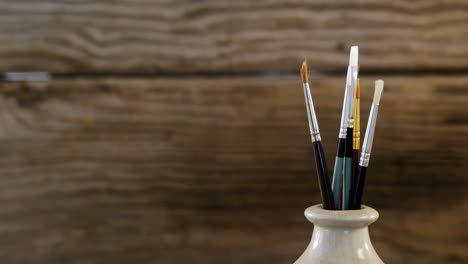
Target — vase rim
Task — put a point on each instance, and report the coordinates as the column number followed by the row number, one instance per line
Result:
column 341, row 218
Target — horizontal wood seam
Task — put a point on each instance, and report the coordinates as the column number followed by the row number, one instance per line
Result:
column 266, row 75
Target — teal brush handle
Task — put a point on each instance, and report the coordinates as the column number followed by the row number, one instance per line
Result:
column 337, row 181
column 348, row 168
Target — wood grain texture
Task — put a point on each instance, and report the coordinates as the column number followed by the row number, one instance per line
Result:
column 220, row 170
column 231, row 36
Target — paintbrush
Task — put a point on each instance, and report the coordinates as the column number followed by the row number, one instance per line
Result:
column 348, row 160
column 322, row 171
column 339, row 181
column 367, row 145
column 356, row 137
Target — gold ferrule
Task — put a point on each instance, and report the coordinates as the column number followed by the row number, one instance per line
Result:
column 357, row 125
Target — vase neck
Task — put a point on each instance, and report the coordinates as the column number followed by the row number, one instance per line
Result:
column 341, row 237
column 333, row 243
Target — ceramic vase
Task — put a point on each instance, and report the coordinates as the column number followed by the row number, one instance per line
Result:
column 340, row 237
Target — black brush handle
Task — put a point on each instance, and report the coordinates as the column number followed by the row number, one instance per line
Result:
column 349, row 143
column 348, row 170
column 361, row 180
column 355, row 173
column 341, row 148
column 324, row 178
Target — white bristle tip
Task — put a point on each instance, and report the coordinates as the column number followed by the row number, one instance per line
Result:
column 379, row 85
column 353, row 56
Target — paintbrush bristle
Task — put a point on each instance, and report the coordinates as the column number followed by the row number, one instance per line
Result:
column 353, row 56
column 379, row 84
column 358, row 89
column 304, row 72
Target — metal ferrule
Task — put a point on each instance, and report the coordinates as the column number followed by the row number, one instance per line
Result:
column 357, row 125
column 350, row 122
column 313, row 124
column 346, row 103
column 352, row 91
column 369, row 137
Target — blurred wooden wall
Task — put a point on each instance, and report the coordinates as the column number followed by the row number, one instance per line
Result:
column 175, row 131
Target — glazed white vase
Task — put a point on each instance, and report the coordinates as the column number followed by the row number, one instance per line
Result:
column 340, row 237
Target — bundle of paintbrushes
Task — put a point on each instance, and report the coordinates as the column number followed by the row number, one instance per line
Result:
column 345, row 190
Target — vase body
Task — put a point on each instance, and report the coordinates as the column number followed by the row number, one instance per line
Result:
column 340, row 237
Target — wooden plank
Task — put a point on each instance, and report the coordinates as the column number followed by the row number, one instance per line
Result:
column 231, row 36
column 219, row 170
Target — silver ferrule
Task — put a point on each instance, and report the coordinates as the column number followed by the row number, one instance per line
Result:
column 369, row 137
column 346, row 102
column 313, row 124
column 351, row 85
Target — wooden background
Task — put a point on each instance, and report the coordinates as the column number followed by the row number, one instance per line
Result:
column 175, row 131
